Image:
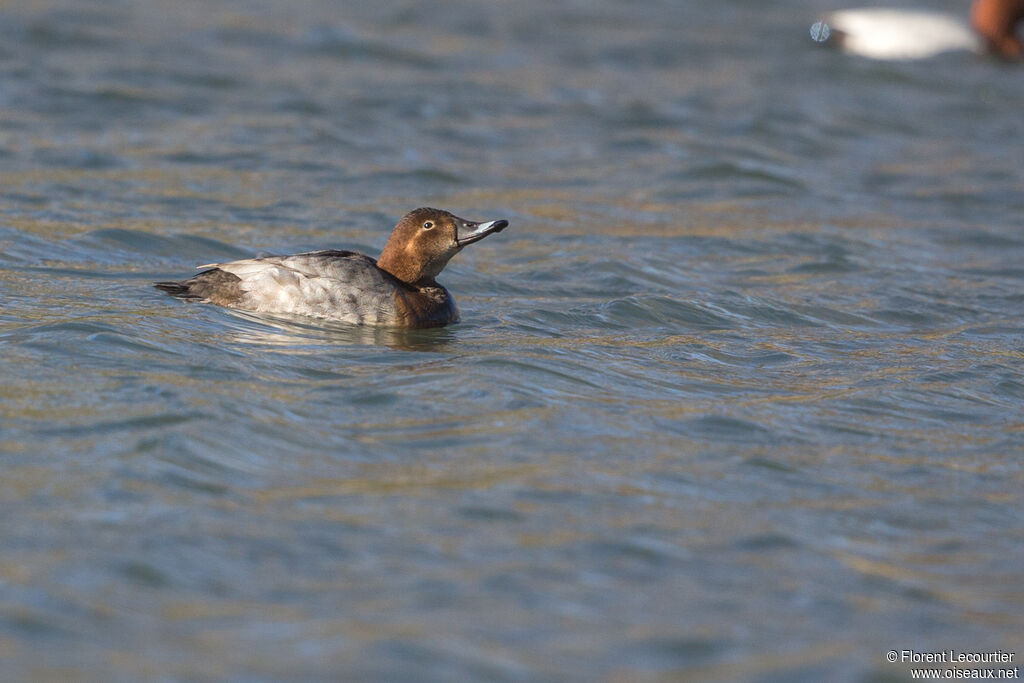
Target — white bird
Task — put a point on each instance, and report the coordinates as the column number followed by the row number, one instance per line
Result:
column 880, row 33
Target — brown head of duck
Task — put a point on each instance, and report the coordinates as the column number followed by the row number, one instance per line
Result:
column 425, row 239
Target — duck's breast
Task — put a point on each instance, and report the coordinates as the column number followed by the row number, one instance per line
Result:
column 430, row 306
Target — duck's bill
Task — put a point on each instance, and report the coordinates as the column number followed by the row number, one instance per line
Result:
column 468, row 232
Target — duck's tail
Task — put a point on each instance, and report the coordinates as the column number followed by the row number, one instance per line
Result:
column 214, row 285
column 178, row 289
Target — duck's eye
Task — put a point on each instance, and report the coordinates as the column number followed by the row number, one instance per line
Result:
column 428, row 225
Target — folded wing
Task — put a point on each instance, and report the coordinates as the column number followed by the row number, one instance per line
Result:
column 336, row 285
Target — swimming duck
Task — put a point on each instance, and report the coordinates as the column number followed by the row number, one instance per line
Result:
column 399, row 289
column 881, row 33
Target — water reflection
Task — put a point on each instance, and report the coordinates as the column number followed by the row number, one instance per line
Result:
column 302, row 335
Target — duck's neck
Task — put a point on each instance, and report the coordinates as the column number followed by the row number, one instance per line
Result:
column 395, row 261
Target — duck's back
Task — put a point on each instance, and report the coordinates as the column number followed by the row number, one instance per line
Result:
column 336, row 285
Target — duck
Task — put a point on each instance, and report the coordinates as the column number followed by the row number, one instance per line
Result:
column 399, row 289
column 906, row 34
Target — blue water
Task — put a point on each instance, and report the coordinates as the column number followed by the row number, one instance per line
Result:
column 737, row 396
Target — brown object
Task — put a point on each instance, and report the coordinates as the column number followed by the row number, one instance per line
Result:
column 996, row 22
